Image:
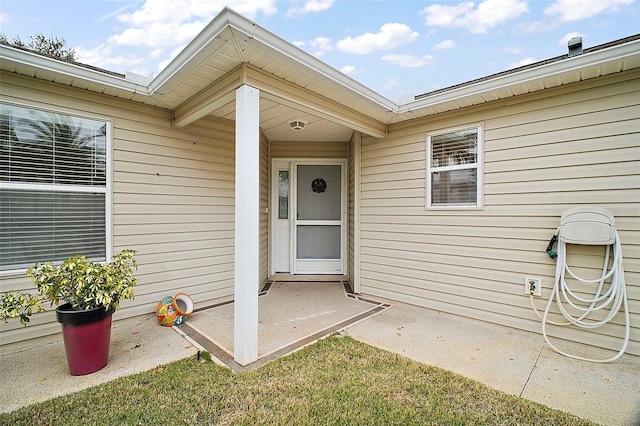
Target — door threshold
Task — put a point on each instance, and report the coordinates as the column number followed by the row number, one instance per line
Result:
column 285, row 277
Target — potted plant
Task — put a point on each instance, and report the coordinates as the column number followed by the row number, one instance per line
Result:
column 92, row 291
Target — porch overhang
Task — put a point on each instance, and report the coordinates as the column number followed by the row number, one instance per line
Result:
column 222, row 93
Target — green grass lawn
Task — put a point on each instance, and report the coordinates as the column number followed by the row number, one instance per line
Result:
column 338, row 380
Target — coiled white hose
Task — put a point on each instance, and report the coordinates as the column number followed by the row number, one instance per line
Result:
column 614, row 297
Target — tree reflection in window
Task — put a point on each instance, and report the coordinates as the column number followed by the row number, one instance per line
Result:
column 53, row 187
column 51, row 148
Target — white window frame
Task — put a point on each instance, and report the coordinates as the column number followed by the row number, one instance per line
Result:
column 478, row 165
column 107, row 189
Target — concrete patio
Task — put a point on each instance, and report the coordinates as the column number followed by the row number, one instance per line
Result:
column 293, row 315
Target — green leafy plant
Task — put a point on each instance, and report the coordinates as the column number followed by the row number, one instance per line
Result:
column 87, row 284
column 14, row 304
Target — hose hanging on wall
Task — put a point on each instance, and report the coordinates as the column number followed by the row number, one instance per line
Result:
column 588, row 226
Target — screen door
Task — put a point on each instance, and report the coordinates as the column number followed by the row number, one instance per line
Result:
column 318, row 222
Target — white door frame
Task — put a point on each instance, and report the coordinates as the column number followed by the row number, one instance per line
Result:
column 281, row 164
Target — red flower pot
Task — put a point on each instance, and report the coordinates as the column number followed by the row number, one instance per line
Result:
column 86, row 337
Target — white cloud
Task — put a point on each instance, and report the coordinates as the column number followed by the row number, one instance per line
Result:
column 310, row 6
column 166, row 11
column 97, row 56
column 166, row 26
column 446, row 44
column 539, row 26
column 4, row 18
column 322, row 43
column 347, row 69
column 157, row 53
column 390, row 84
column 390, row 36
column 446, row 16
column 158, row 34
column 513, row 50
column 565, row 40
column 522, row 62
column 102, row 57
column 166, row 23
column 575, row 10
column 408, row 61
column 487, row 15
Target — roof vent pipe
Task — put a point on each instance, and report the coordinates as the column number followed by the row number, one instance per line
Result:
column 575, row 46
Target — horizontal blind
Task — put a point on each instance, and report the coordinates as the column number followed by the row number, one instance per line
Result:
column 455, row 187
column 453, row 161
column 53, row 178
column 38, row 226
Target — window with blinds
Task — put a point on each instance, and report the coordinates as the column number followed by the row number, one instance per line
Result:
column 453, row 168
column 53, row 187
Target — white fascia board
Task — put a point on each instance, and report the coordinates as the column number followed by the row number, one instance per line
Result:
column 563, row 66
column 196, row 52
column 39, row 62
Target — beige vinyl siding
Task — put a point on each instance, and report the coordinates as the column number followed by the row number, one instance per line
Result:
column 173, row 200
column 543, row 153
column 354, row 210
column 280, row 149
column 264, row 209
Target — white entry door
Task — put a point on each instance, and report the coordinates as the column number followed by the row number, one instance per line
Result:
column 319, row 202
column 308, row 216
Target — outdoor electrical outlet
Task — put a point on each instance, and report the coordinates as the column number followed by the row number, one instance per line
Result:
column 533, row 286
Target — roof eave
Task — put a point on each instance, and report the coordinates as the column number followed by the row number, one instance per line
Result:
column 70, row 70
column 520, row 78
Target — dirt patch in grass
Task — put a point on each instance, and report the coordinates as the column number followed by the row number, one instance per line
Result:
column 338, row 380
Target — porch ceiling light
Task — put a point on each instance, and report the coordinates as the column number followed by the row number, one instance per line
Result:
column 297, row 124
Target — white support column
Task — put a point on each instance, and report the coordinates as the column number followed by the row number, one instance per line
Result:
column 247, row 225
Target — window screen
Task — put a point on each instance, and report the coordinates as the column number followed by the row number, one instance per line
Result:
column 453, row 168
column 53, row 187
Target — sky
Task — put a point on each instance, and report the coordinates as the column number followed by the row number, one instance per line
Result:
column 397, row 48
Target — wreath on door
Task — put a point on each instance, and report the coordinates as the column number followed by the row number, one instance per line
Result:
column 319, row 185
